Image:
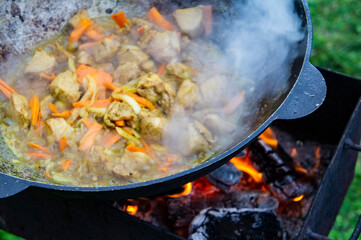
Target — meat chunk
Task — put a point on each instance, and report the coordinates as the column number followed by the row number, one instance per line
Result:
column 218, row 125
column 195, row 139
column 190, row 21
column 42, row 62
column 56, row 128
column 118, row 111
column 44, row 106
column 75, row 19
column 126, row 72
column 151, row 128
column 180, row 70
column 188, row 94
column 83, row 57
column 65, row 87
column 150, row 86
column 162, row 46
column 98, row 162
column 105, row 49
column 132, row 164
column 215, row 91
column 18, row 110
column 132, row 54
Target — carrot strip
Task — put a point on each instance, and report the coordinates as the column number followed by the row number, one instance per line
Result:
column 110, row 86
column 140, row 31
column 89, row 138
column 50, row 78
column 39, row 155
column 53, row 108
column 120, row 19
column 132, row 148
column 104, row 103
column 78, row 31
column 141, row 100
column 110, row 138
column 34, row 145
column 208, row 18
column 120, row 123
column 6, row 89
column 86, row 45
column 87, row 122
column 161, row 69
column 149, row 150
column 94, row 35
column 66, row 164
column 154, row 16
column 62, row 144
column 234, row 103
column 128, row 131
column 64, row 114
column 39, row 120
column 34, row 108
column 194, row 71
column 100, row 76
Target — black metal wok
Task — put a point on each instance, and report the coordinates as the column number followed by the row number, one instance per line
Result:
column 305, row 92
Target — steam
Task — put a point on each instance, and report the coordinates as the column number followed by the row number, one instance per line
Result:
column 262, row 40
column 259, row 47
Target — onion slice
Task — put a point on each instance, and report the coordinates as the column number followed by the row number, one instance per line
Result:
column 130, row 101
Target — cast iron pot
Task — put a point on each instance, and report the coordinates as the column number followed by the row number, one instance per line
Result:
column 26, row 23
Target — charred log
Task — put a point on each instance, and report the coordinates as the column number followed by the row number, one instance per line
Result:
column 225, row 176
column 230, row 223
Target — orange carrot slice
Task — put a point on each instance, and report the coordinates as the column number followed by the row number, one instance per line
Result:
column 89, row 138
column 78, row 31
column 94, row 35
column 86, row 45
column 53, row 108
column 234, row 103
column 149, row 150
column 104, row 103
column 110, row 86
column 34, row 109
column 110, row 138
column 140, row 31
column 208, row 18
column 154, row 16
column 120, row 123
column 87, row 122
column 64, row 114
column 50, row 78
column 6, row 89
column 62, row 144
column 120, row 19
column 65, row 165
column 100, row 76
column 133, row 148
column 39, row 155
column 34, row 145
column 161, row 69
column 141, row 100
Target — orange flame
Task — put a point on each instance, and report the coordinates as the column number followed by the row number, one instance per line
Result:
column 244, row 165
column 187, row 190
column 132, row 210
column 297, row 199
column 268, row 136
column 294, row 153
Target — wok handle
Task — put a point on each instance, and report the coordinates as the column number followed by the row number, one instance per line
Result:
column 306, row 96
column 10, row 186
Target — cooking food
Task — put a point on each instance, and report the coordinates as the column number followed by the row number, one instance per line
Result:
column 117, row 100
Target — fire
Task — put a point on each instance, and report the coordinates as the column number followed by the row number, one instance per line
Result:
column 187, row 190
column 132, row 210
column 297, row 199
column 294, row 153
column 244, row 165
column 268, row 136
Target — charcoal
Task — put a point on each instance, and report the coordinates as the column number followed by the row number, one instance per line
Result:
column 232, row 223
column 225, row 176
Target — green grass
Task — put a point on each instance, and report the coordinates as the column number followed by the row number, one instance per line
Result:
column 336, row 45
